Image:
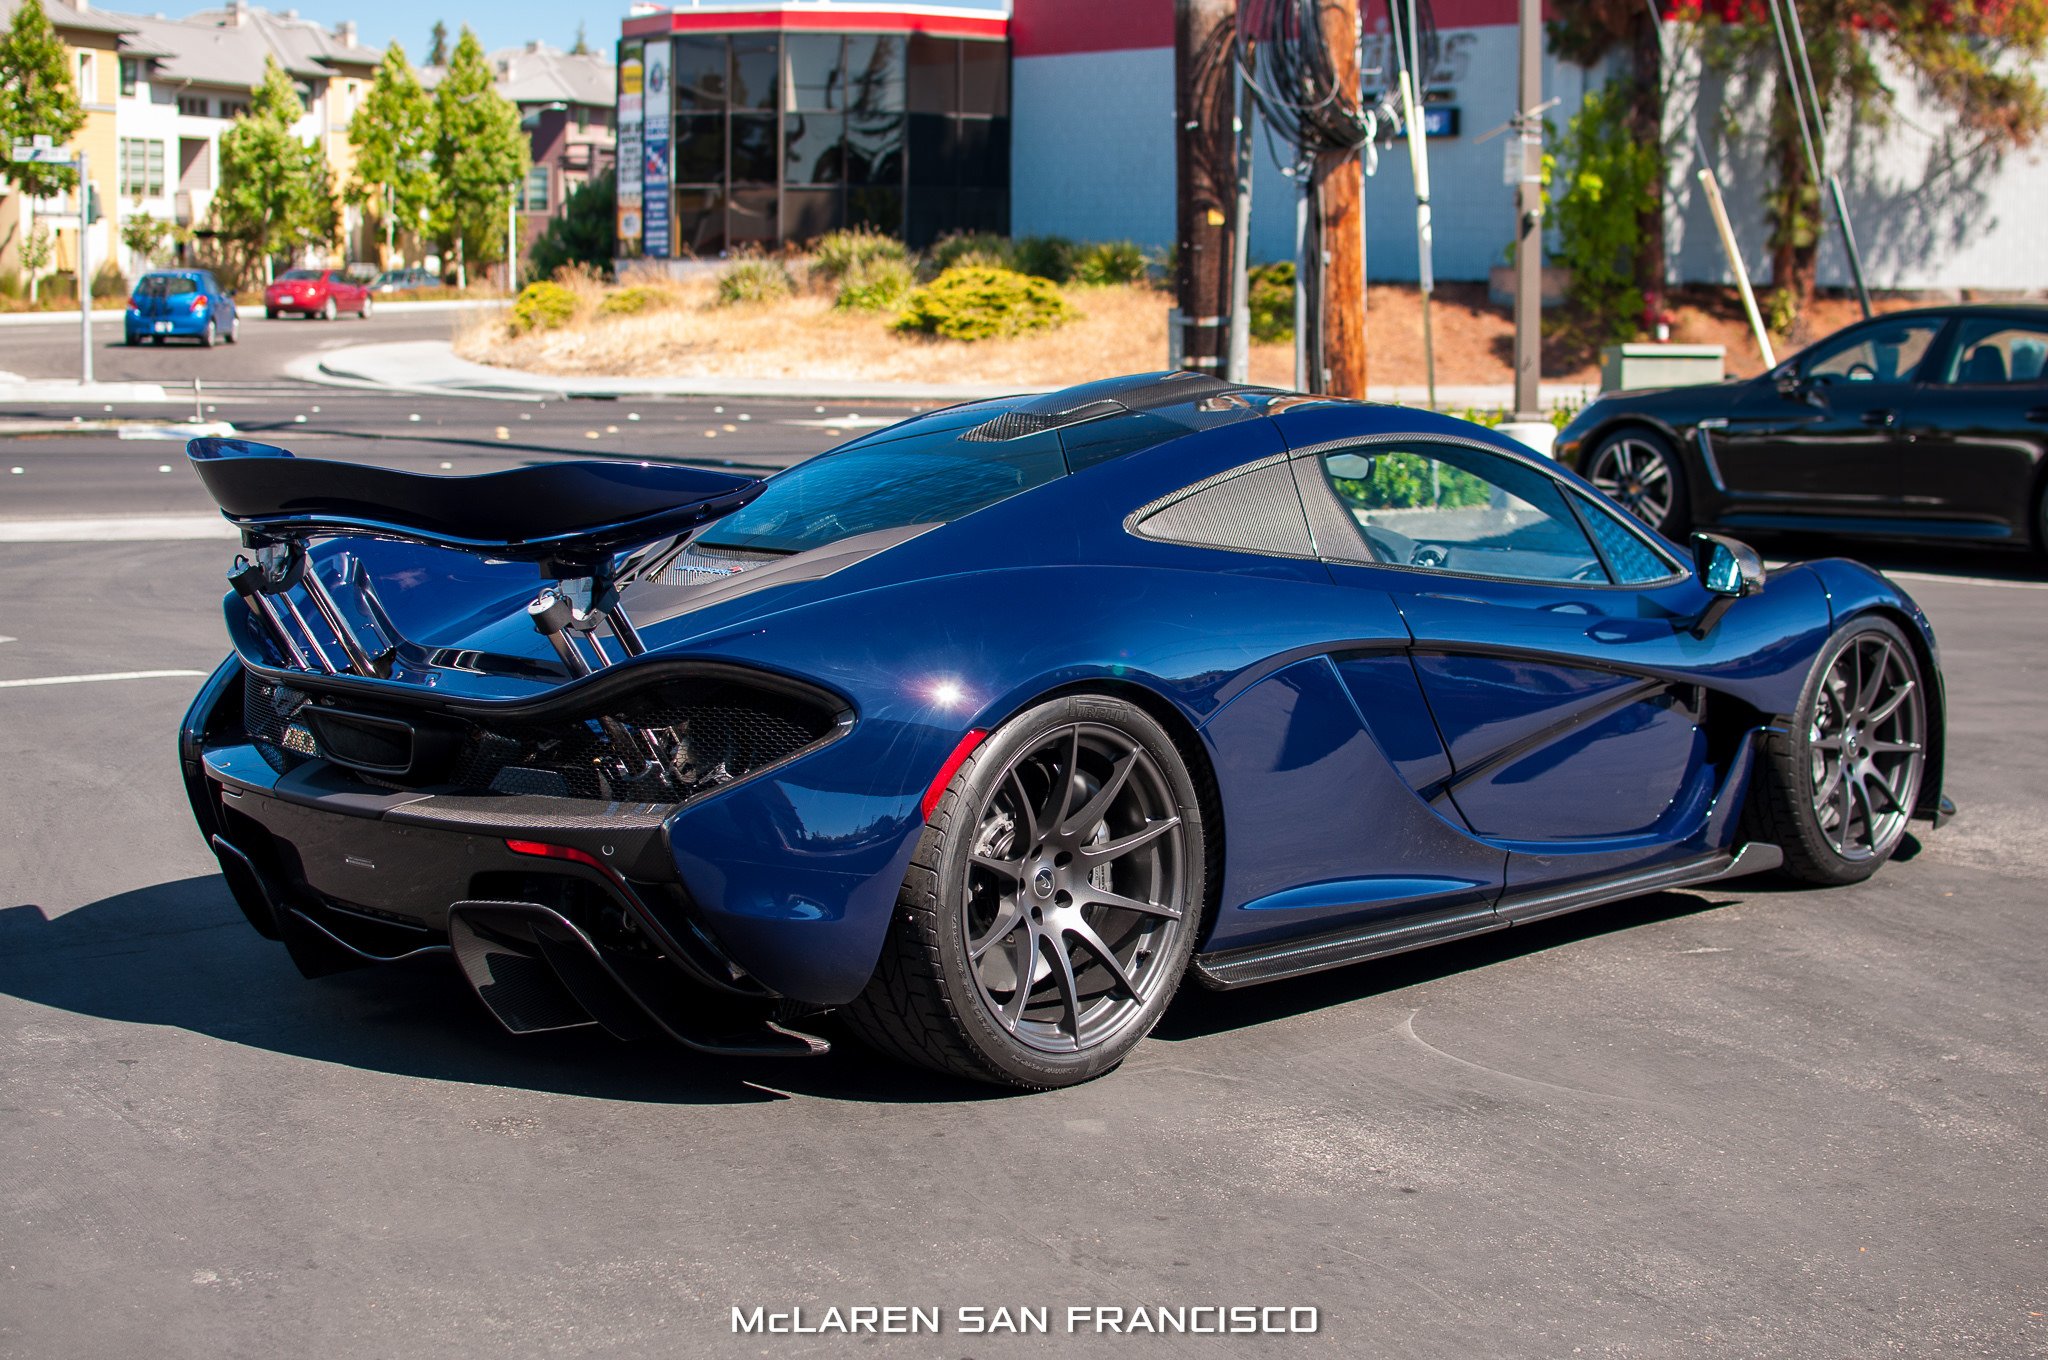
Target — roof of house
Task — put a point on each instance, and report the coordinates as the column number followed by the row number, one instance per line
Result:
column 227, row 47
column 66, row 17
column 540, row 74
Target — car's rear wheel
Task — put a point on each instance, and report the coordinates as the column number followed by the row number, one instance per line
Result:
column 1837, row 788
column 209, row 337
column 1639, row 471
column 1051, row 904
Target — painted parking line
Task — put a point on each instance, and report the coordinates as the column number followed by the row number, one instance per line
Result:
column 116, row 529
column 104, row 675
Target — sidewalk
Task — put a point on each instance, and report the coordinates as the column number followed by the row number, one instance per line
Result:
column 432, row 368
column 104, row 310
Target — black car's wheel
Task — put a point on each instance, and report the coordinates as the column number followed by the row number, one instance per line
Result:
column 1638, row 470
column 1051, row 905
column 1836, row 790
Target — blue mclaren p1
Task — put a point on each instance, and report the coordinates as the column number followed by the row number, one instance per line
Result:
column 987, row 729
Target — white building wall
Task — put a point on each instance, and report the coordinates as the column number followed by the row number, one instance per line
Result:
column 1093, row 160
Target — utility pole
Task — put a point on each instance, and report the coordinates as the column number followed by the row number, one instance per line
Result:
column 1529, row 218
column 1340, row 205
column 1206, row 171
column 84, row 271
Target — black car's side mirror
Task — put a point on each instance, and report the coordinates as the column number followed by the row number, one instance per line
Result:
column 1790, row 384
column 1729, row 569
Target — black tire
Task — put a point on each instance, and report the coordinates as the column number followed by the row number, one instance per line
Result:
column 269, row 315
column 935, row 998
column 1795, row 776
column 209, row 337
column 234, row 332
column 363, row 312
column 329, row 311
column 131, row 338
column 1637, row 469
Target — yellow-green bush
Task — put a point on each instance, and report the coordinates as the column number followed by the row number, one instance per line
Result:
column 542, row 306
column 839, row 253
column 877, row 284
column 972, row 302
column 755, row 280
column 634, row 299
column 1107, row 262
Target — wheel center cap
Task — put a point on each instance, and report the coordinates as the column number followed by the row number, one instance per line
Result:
column 1041, row 882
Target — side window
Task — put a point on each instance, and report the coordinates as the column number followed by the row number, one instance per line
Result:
column 1884, row 353
column 1445, row 507
column 1253, row 510
column 1994, row 350
column 1631, row 561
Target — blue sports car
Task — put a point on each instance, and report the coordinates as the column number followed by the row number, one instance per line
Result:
column 987, row 729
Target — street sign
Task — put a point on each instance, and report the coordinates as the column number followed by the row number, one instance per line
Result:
column 42, row 154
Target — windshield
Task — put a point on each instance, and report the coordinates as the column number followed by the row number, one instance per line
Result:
column 291, row 275
column 920, row 476
column 165, row 285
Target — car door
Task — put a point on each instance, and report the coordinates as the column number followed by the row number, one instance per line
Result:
column 1552, row 641
column 1977, row 430
column 1821, row 438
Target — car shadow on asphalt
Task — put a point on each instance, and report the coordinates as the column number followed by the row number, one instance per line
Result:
column 181, row 955
column 1198, row 1012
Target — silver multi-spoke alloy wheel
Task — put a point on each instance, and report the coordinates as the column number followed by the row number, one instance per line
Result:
column 1073, row 893
column 1866, row 746
column 1051, row 904
column 1636, row 471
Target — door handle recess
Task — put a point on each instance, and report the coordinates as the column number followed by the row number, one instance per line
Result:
column 1885, row 419
column 2039, row 415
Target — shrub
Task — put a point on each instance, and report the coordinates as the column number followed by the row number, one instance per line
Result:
column 754, row 280
column 839, row 253
column 634, row 299
column 542, row 307
column 1272, row 302
column 1043, row 257
column 973, row 249
column 1108, row 262
column 972, row 302
column 876, row 284
column 1607, row 177
column 584, row 232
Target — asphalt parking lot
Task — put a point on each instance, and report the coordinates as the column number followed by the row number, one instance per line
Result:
column 1749, row 1121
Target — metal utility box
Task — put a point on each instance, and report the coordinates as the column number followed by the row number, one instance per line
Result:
column 1627, row 368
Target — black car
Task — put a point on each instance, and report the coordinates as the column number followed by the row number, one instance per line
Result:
column 1928, row 424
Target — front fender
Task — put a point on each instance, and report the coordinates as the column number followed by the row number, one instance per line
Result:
column 1855, row 590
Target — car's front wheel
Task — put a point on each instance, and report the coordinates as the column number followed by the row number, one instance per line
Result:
column 1837, row 787
column 364, row 313
column 330, row 311
column 1638, row 470
column 1051, row 905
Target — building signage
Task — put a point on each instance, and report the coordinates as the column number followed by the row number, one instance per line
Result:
column 656, row 103
column 629, row 124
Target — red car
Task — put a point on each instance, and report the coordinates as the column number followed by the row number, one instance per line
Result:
column 325, row 293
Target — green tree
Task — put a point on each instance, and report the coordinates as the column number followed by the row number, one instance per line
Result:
column 585, row 232
column 149, row 237
column 1589, row 32
column 582, row 46
column 480, row 155
column 1603, row 177
column 437, row 44
column 37, row 250
column 393, row 135
column 37, row 98
column 1973, row 60
column 276, row 192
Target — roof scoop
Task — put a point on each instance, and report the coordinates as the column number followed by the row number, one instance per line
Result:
column 1093, row 401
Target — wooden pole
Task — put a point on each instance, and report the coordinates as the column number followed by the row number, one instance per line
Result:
column 1205, row 164
column 1340, row 198
column 1529, row 219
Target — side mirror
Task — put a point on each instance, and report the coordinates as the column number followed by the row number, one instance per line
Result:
column 1790, row 384
column 1729, row 569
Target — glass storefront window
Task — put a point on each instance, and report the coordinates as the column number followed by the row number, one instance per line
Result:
column 754, row 62
column 874, row 73
column 812, row 74
column 809, row 213
column 698, row 74
column 753, row 148
column 700, row 148
column 934, row 75
column 751, row 218
column 874, row 149
column 700, row 220
column 814, row 148
column 985, row 79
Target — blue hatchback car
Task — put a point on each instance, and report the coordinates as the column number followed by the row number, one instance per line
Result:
column 187, row 303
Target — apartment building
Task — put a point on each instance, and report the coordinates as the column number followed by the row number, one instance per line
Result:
column 92, row 53
column 565, row 106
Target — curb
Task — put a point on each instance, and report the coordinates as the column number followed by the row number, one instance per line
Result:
column 120, row 429
column 255, row 309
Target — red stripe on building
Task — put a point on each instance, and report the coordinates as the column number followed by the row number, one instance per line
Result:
column 1047, row 28
column 828, row 21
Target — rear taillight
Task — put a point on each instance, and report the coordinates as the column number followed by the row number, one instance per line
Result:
column 199, row 302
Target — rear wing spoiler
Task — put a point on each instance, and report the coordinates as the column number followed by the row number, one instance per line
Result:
column 589, row 524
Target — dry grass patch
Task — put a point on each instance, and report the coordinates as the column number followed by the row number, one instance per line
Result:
column 1120, row 329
